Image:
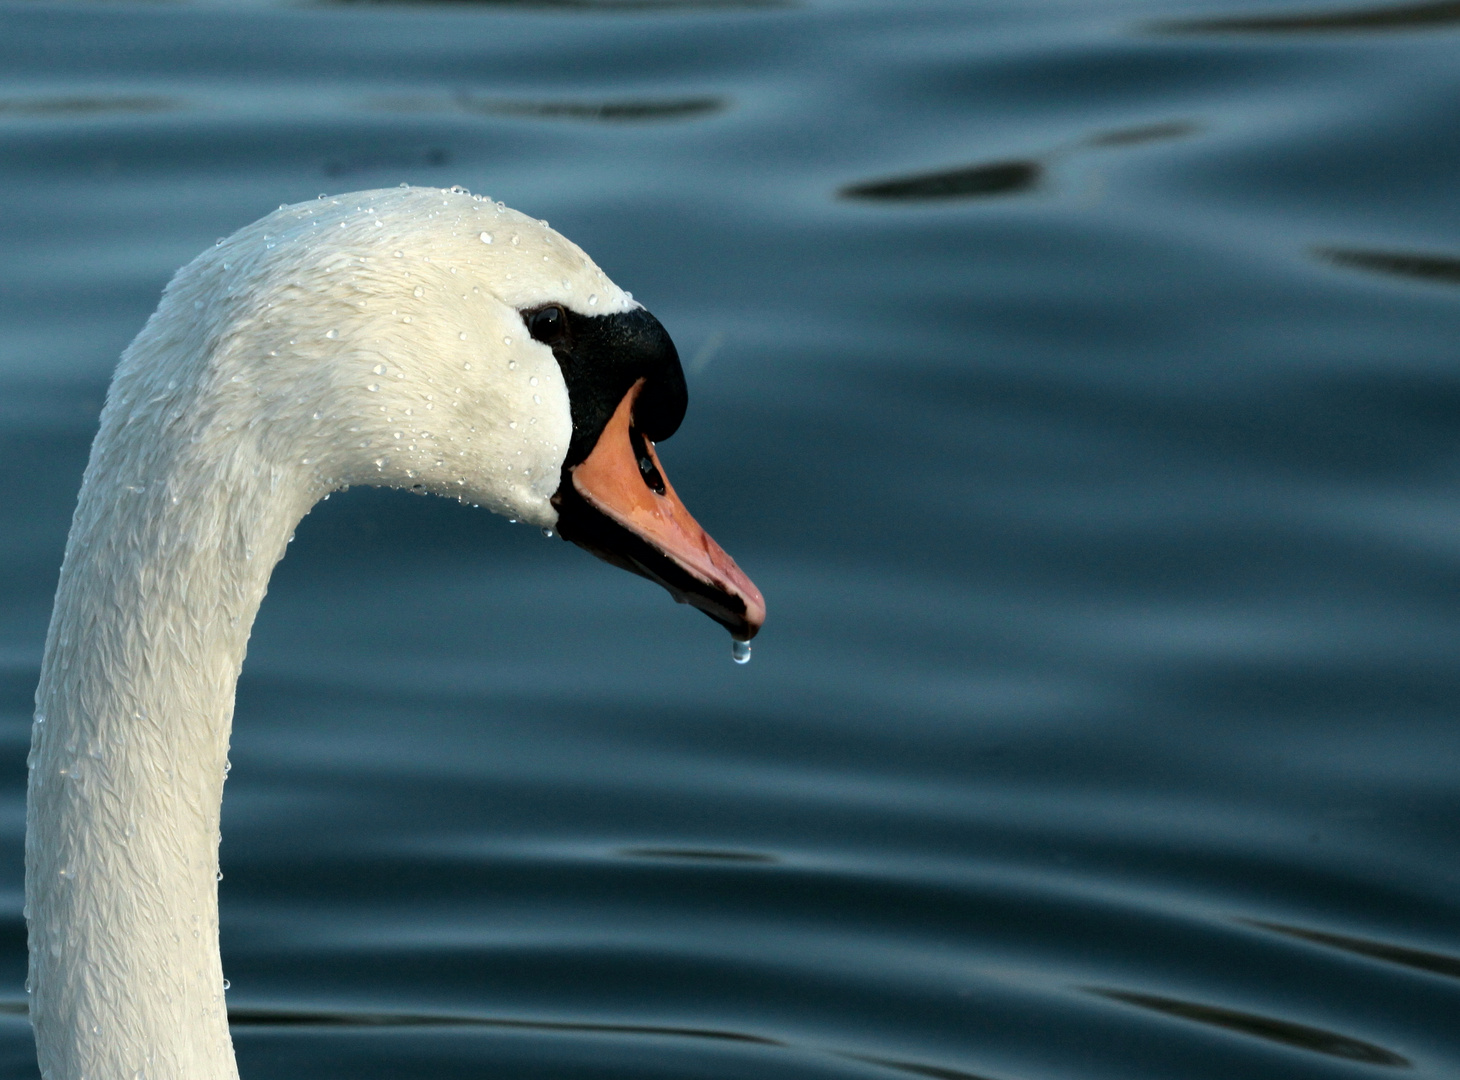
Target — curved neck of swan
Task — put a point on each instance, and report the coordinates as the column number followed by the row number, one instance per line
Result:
column 168, row 560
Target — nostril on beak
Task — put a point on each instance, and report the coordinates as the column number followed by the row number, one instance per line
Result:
column 647, row 469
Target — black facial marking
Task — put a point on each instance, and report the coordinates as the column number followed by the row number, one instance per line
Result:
column 601, row 356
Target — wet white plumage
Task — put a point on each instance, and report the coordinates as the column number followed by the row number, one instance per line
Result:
column 369, row 339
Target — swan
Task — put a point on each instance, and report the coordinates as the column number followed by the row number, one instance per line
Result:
column 412, row 337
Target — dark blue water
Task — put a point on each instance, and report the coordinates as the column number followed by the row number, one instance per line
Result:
column 1079, row 380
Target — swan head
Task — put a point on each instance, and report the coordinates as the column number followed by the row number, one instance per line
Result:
column 440, row 342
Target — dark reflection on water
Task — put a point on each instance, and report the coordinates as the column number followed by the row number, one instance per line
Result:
column 1005, row 177
column 1437, row 963
column 612, row 112
column 698, row 853
column 913, row 1068
column 1262, row 1027
column 609, row 111
column 286, row 1018
column 1442, row 269
column 587, row 7
column 1135, row 136
column 1387, row 17
column 975, row 181
column 83, row 106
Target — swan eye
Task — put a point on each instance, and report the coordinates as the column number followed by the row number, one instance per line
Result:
column 547, row 325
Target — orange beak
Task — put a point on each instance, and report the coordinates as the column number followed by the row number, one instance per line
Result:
column 641, row 526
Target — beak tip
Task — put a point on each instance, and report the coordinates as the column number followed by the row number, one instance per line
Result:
column 754, row 615
column 734, row 583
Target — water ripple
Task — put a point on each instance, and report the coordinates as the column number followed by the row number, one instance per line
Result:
column 1271, row 1028
column 1405, row 956
column 913, row 1068
column 973, row 181
column 1145, row 133
column 607, row 111
column 281, row 1017
column 1418, row 266
column 1441, row 13
column 84, row 105
column 583, row 6
column 697, row 855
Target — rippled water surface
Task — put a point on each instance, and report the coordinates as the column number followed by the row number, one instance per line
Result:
column 1078, row 380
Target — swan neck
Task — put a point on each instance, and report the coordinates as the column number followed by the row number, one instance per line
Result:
column 168, row 559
